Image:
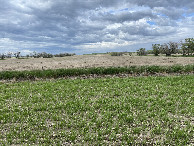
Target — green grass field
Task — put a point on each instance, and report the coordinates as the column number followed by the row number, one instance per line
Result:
column 114, row 111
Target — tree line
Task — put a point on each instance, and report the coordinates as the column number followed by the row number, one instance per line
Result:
column 33, row 55
column 186, row 48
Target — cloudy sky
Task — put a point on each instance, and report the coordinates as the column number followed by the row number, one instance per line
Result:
column 88, row 26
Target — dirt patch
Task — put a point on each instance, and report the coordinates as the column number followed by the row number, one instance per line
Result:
column 87, row 61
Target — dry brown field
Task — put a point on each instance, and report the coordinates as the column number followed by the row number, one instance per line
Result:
column 87, row 61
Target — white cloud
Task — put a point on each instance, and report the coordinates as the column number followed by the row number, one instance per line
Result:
column 91, row 26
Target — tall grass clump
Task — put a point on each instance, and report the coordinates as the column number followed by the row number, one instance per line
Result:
column 58, row 73
column 116, row 53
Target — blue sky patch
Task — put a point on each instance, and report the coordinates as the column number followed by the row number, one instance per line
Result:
column 151, row 22
column 188, row 15
column 161, row 14
column 125, row 9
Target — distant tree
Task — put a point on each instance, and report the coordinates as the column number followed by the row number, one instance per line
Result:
column 46, row 55
column 141, row 52
column 27, row 56
column 2, row 56
column 188, row 46
column 17, row 55
column 36, row 55
column 169, row 48
column 156, row 49
column 173, row 47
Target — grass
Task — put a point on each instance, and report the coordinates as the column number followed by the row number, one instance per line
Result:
column 58, row 73
column 106, row 111
column 182, row 56
column 23, row 58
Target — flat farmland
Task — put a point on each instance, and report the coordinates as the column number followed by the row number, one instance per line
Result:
column 111, row 110
column 107, row 111
column 88, row 61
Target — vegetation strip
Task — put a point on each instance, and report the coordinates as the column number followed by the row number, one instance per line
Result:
column 59, row 73
column 107, row 111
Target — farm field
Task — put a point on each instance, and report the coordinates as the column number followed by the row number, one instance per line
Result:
column 88, row 61
column 114, row 111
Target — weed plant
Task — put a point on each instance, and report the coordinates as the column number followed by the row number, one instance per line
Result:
column 106, row 111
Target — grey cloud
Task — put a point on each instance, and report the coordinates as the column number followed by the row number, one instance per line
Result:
column 148, row 31
column 165, row 22
column 125, row 16
column 171, row 12
column 72, row 23
column 165, row 3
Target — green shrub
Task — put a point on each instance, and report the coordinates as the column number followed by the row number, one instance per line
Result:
column 58, row 73
column 64, row 54
column 116, row 53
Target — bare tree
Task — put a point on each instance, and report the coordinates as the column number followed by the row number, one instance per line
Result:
column 141, row 52
column 17, row 55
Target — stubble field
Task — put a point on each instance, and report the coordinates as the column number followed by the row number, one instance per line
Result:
column 88, row 61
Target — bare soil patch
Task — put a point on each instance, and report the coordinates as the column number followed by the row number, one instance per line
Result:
column 87, row 61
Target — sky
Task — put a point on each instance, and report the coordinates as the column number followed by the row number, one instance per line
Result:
column 92, row 26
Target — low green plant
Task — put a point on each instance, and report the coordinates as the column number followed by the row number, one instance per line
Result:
column 59, row 73
column 103, row 111
column 116, row 53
